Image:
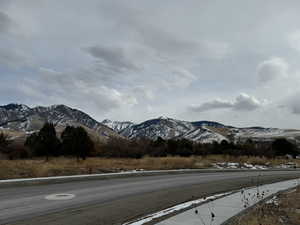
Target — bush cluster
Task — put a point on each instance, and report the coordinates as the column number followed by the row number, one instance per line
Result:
column 74, row 142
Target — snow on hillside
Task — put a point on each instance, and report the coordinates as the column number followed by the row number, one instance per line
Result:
column 117, row 125
column 18, row 117
column 23, row 118
column 204, row 135
column 166, row 128
column 264, row 133
column 201, row 131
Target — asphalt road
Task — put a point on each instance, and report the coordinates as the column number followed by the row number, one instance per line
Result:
column 114, row 201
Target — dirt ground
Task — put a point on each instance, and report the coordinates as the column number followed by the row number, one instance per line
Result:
column 283, row 209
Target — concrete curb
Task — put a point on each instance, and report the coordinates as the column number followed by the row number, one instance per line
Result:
column 185, row 214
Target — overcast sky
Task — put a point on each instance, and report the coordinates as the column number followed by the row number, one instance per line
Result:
column 236, row 62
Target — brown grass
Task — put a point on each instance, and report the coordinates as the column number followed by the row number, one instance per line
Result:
column 286, row 212
column 70, row 166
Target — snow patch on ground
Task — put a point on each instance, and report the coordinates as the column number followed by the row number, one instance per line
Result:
column 234, row 165
column 287, row 165
column 273, row 200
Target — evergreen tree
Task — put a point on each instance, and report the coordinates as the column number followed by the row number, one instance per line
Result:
column 76, row 141
column 33, row 142
column 4, row 142
column 48, row 140
column 45, row 142
column 68, row 144
column 282, row 146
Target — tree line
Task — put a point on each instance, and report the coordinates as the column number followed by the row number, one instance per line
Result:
column 75, row 141
column 117, row 147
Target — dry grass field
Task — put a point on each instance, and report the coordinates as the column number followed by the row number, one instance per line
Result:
column 284, row 211
column 69, row 166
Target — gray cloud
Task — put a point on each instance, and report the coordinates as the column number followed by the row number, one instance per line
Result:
column 146, row 31
column 272, row 69
column 69, row 89
column 13, row 58
column 243, row 102
column 163, row 41
column 138, row 59
column 143, row 92
column 5, row 22
column 170, row 44
column 211, row 105
column 112, row 58
column 161, row 36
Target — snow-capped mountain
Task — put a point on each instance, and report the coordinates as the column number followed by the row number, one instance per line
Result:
column 117, row 125
column 201, row 131
column 264, row 134
column 204, row 135
column 19, row 117
column 168, row 128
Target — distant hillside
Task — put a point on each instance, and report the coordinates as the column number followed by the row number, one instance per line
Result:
column 117, row 125
column 21, row 118
column 201, row 131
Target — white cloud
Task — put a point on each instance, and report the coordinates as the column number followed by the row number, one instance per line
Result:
column 243, row 102
column 246, row 102
column 294, row 40
column 177, row 78
column 272, row 69
column 292, row 103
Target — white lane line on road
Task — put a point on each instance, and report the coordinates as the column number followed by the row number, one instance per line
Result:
column 124, row 173
column 96, row 175
column 61, row 196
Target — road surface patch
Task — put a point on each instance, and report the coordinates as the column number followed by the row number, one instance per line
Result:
column 61, row 196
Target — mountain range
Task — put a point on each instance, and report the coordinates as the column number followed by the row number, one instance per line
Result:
column 199, row 131
column 19, row 120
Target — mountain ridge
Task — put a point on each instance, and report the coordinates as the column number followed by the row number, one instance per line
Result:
column 20, row 117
